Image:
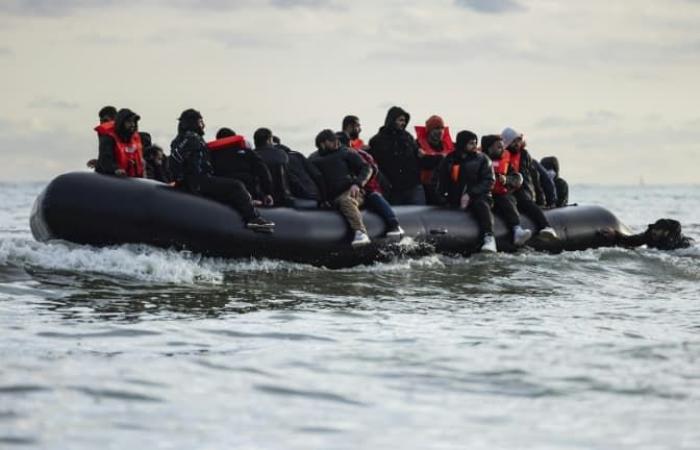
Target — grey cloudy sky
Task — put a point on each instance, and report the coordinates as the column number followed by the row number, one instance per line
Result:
column 608, row 86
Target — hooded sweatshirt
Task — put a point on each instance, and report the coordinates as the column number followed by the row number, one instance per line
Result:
column 106, row 162
column 396, row 152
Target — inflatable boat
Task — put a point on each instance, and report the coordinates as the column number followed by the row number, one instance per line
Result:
column 99, row 210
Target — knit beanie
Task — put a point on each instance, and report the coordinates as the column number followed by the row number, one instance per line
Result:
column 509, row 135
column 463, row 138
column 434, row 122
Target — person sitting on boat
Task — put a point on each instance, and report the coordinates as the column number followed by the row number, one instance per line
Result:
column 504, row 204
column 304, row 179
column 551, row 164
column 190, row 164
column 396, row 154
column 156, row 164
column 374, row 200
column 521, row 162
column 120, row 149
column 543, row 189
column 344, row 175
column 464, row 179
column 277, row 162
column 434, row 143
column 106, row 115
column 233, row 158
column 664, row 234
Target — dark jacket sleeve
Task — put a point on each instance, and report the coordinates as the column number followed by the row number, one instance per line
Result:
column 547, row 184
column 262, row 173
column 486, row 179
column 441, row 178
column 105, row 159
column 562, row 191
column 528, row 187
column 317, row 176
column 361, row 169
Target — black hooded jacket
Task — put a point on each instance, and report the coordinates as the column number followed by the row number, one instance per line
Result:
column 277, row 162
column 303, row 177
column 245, row 165
column 396, row 152
column 105, row 159
column 340, row 169
column 475, row 178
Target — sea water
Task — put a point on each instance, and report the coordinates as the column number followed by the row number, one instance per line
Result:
column 137, row 347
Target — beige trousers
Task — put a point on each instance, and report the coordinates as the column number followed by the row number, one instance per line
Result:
column 350, row 208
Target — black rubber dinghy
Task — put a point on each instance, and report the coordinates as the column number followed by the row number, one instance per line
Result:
column 87, row 208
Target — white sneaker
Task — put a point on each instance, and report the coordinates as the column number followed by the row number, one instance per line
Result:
column 360, row 239
column 548, row 233
column 489, row 245
column 521, row 235
column 395, row 232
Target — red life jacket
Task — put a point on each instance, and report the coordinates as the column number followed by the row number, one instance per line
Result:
column 514, row 160
column 426, row 175
column 128, row 156
column 226, row 143
column 357, row 144
column 500, row 167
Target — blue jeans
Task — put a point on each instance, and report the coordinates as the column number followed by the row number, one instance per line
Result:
column 376, row 203
column 410, row 196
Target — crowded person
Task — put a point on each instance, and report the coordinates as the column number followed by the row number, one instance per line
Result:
column 551, row 164
column 464, row 179
column 372, row 190
column 120, row 150
column 156, row 164
column 434, row 143
column 106, row 115
column 344, row 175
column 352, row 128
column 232, row 158
column 521, row 162
column 504, row 204
column 396, row 154
column 190, row 164
column 277, row 162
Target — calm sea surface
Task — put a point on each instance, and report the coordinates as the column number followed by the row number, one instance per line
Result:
column 135, row 347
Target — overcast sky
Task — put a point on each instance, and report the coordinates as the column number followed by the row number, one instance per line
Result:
column 610, row 87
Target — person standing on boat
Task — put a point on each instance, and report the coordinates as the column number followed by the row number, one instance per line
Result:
column 434, row 143
column 504, row 204
column 374, row 200
column 344, row 175
column 120, row 150
column 277, row 162
column 106, row 115
column 352, row 128
column 521, row 162
column 396, row 153
column 191, row 167
column 464, row 179
column 232, row 158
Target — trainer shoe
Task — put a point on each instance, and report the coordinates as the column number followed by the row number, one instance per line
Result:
column 521, row 235
column 489, row 245
column 548, row 233
column 260, row 224
column 360, row 238
column 395, row 231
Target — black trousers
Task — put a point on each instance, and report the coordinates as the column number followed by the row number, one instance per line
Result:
column 505, row 207
column 481, row 207
column 227, row 191
column 528, row 207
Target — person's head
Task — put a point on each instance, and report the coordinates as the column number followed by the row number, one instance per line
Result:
column 343, row 138
column 126, row 123
column 351, row 126
column 551, row 164
column 492, row 146
column 466, row 142
column 107, row 114
column 512, row 140
column 191, row 120
column 262, row 137
column 154, row 154
column 397, row 118
column 224, row 133
column 665, row 234
column 435, row 129
column 146, row 140
column 327, row 140
column 276, row 140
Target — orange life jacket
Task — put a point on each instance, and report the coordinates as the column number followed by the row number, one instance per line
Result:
column 500, row 167
column 447, row 147
column 128, row 156
column 357, row 144
column 514, row 160
column 227, row 142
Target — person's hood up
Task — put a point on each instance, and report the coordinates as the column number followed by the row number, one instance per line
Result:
column 551, row 163
column 509, row 135
column 122, row 116
column 189, row 121
column 391, row 116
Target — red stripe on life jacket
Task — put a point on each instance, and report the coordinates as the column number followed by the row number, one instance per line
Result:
column 237, row 141
column 500, row 167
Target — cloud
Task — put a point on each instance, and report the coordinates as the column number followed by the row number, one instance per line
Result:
column 591, row 118
column 491, row 6
column 52, row 103
column 237, row 40
column 5, row 51
column 51, row 8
